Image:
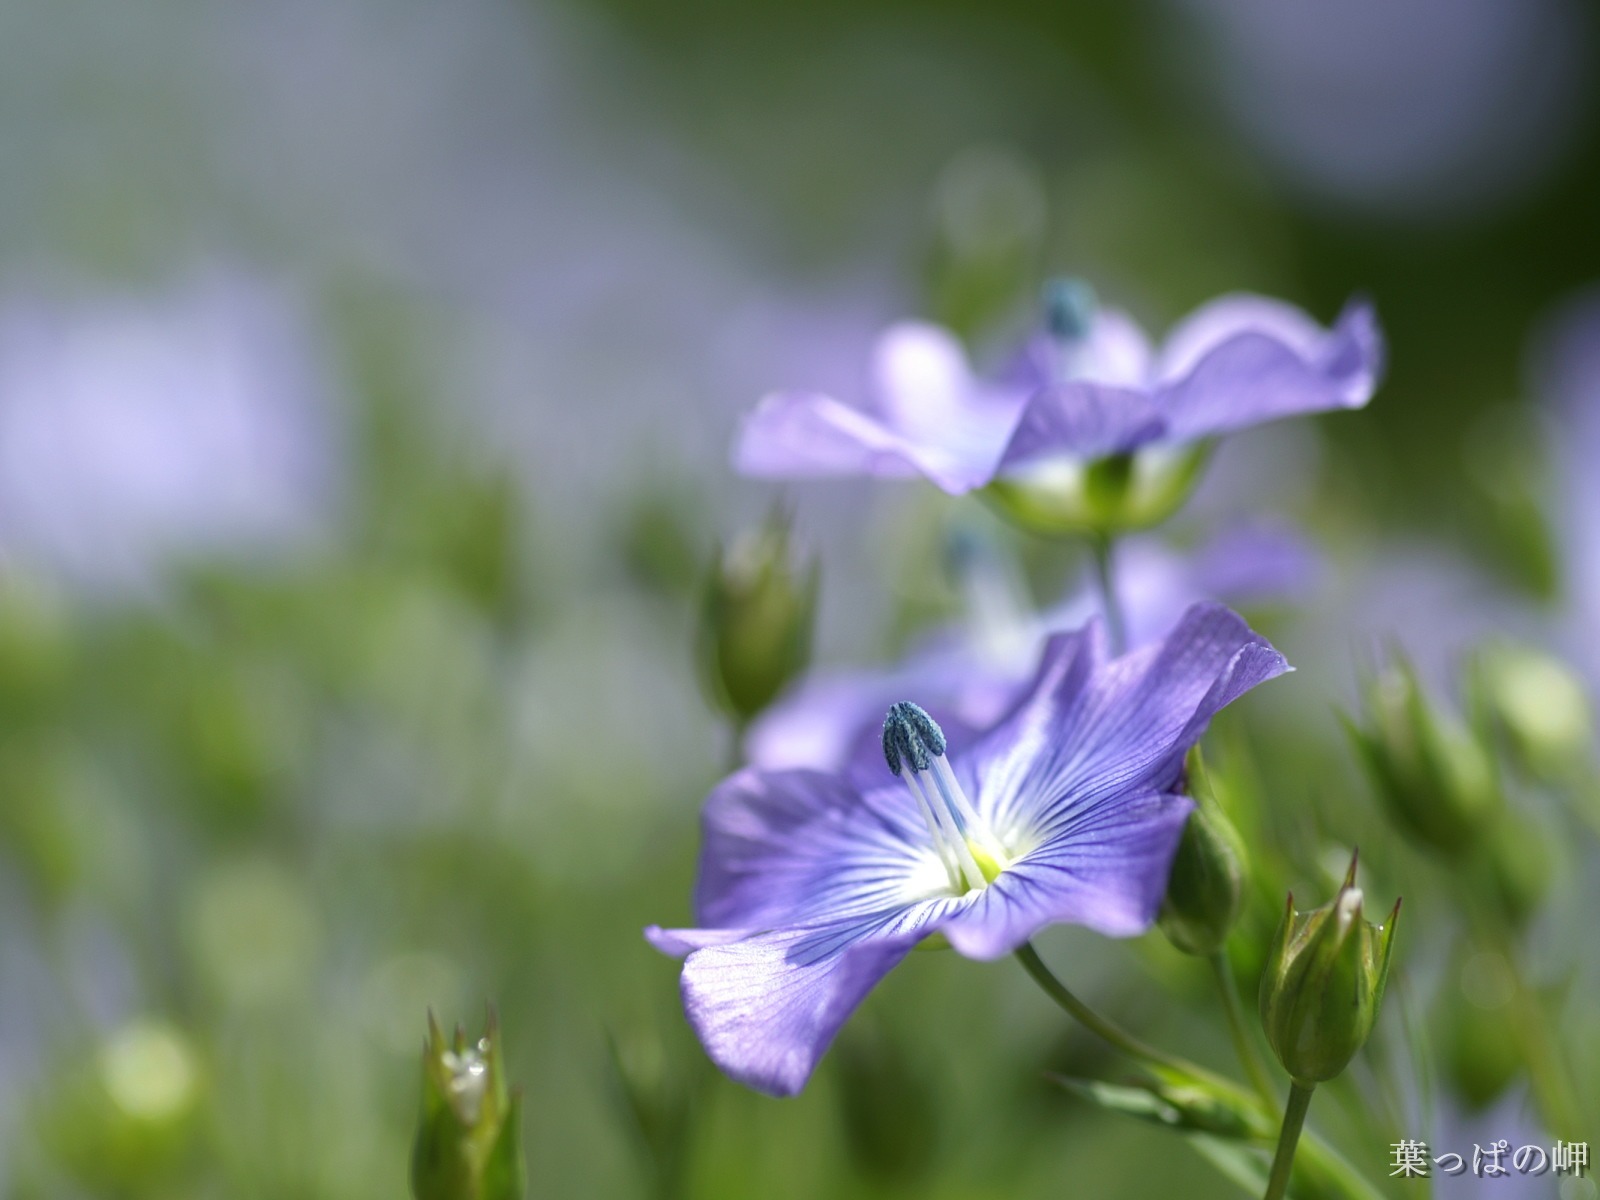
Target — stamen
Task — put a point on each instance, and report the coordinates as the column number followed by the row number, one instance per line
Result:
column 954, row 796
column 965, row 873
column 1069, row 306
column 913, row 746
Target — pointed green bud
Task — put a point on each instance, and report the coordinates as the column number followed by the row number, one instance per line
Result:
column 1436, row 779
column 1323, row 982
column 756, row 620
column 1205, row 891
column 1515, row 866
column 468, row 1143
column 1540, row 708
column 1117, row 494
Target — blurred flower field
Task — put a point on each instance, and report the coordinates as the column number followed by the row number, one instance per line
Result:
column 440, row 448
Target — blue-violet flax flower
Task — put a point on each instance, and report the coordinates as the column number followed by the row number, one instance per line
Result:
column 1090, row 385
column 812, row 887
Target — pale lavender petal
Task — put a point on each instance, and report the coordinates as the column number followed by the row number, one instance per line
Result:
column 1106, row 869
column 1077, row 740
column 927, row 392
column 679, row 942
column 807, row 434
column 1227, row 317
column 1082, row 421
column 766, row 1008
column 1116, row 352
column 1282, row 365
column 1253, row 564
column 799, row 847
column 832, row 720
column 799, row 435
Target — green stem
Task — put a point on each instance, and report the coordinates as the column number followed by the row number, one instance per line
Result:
column 737, row 728
column 1337, row 1176
column 1091, row 1020
column 1102, row 545
column 1242, row 1045
column 1294, row 1119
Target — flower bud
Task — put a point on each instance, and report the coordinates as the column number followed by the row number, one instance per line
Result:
column 468, row 1143
column 1205, row 891
column 1323, row 983
column 1540, row 707
column 1436, row 780
column 755, row 630
column 1515, row 867
column 1477, row 1058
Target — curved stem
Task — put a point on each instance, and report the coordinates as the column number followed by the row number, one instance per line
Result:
column 1093, row 1021
column 1110, row 605
column 1294, row 1119
column 1338, row 1176
column 1254, row 1069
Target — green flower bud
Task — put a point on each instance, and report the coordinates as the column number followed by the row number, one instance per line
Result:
column 1515, row 867
column 1205, row 891
column 1323, row 983
column 468, row 1143
column 1540, row 707
column 1477, row 1057
column 756, row 622
column 1434, row 777
column 1108, row 496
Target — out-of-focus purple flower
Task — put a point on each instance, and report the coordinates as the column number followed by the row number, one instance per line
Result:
column 136, row 431
column 1090, row 388
column 812, row 887
column 968, row 677
column 1237, row 361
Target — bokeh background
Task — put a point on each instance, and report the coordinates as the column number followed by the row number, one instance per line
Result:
column 367, row 373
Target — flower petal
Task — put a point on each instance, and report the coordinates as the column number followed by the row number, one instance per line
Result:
column 807, row 434
column 1115, row 352
column 1105, row 869
column 937, row 419
column 800, row 435
column 926, row 389
column 1082, row 420
column 1083, row 735
column 1243, row 360
column 766, row 1007
column 790, row 848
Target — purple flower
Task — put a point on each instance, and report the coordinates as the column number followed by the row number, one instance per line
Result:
column 970, row 676
column 812, row 887
column 1091, row 387
column 137, row 431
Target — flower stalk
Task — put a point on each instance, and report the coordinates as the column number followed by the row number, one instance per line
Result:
column 1294, row 1119
column 1255, row 1070
column 1105, row 579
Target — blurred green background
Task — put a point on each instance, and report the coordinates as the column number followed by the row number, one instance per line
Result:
column 366, row 377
